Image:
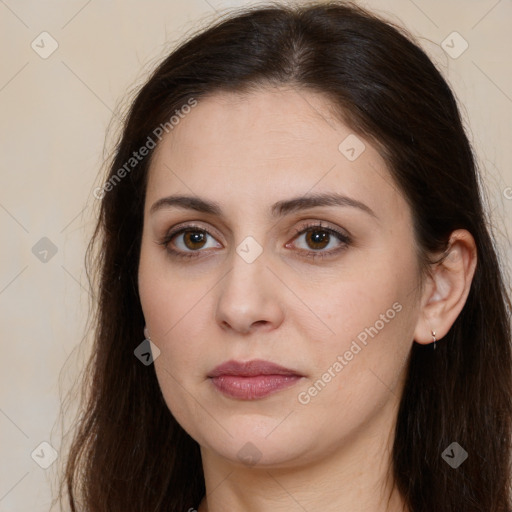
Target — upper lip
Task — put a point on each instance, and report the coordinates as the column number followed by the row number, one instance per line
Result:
column 250, row 369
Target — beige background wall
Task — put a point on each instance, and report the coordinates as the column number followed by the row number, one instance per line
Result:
column 54, row 116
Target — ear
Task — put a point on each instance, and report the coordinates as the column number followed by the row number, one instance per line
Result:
column 446, row 290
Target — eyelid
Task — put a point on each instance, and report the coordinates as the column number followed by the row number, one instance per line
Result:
column 191, row 225
column 319, row 224
column 342, row 235
column 180, row 229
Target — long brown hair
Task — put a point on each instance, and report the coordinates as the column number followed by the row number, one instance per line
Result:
column 128, row 451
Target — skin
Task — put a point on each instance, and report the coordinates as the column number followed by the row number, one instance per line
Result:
column 247, row 152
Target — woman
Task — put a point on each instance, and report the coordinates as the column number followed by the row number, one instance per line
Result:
column 292, row 220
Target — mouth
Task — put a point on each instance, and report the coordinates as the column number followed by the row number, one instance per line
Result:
column 252, row 380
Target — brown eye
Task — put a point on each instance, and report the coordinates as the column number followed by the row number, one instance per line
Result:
column 194, row 240
column 188, row 242
column 318, row 239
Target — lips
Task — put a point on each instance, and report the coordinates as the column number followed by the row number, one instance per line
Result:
column 252, row 380
column 251, row 369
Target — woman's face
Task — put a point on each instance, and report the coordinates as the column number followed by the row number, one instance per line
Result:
column 257, row 266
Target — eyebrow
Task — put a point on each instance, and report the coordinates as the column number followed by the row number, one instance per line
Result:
column 279, row 209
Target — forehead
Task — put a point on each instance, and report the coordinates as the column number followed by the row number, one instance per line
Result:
column 265, row 144
column 269, row 122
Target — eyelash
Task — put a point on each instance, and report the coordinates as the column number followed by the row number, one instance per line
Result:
column 342, row 237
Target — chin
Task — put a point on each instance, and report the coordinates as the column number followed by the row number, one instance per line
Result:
column 246, row 448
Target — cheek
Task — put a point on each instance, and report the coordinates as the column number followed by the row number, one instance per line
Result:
column 375, row 297
column 171, row 307
column 371, row 320
column 172, row 316
column 167, row 307
column 167, row 300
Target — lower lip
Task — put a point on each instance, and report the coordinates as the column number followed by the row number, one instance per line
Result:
column 253, row 388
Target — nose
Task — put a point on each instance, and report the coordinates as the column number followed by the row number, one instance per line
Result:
column 250, row 297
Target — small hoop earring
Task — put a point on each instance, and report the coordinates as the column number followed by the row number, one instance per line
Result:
column 434, row 338
column 146, row 333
